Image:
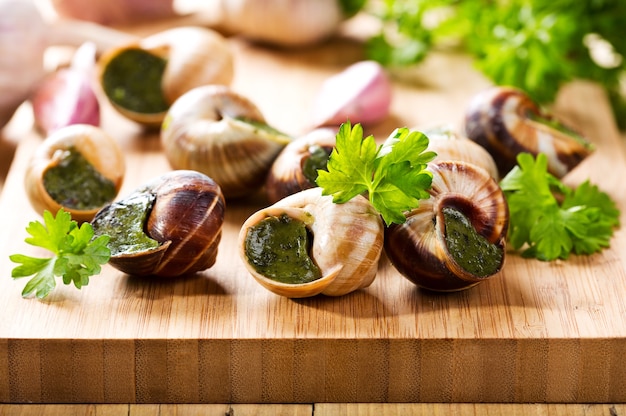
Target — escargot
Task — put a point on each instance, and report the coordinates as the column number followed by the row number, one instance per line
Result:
column 216, row 131
column 506, row 122
column 171, row 226
column 295, row 168
column 305, row 245
column 79, row 168
column 143, row 78
column 455, row 239
column 450, row 145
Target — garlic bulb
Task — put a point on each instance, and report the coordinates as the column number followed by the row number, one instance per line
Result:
column 305, row 245
column 142, row 79
column 506, row 122
column 79, row 168
column 282, row 22
column 455, row 239
column 218, row 132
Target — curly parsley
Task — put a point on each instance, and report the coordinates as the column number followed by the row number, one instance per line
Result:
column 393, row 175
column 552, row 220
column 76, row 255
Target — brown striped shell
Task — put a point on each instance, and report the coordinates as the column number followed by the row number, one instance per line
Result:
column 184, row 213
column 194, row 56
column 347, row 241
column 99, row 149
column 291, row 172
column 418, row 249
column 449, row 145
column 218, row 132
column 506, row 122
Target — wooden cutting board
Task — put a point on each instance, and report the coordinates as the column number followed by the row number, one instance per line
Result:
column 537, row 332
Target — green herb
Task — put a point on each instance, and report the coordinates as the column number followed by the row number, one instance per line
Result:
column 76, row 255
column 535, row 45
column 393, row 175
column 552, row 220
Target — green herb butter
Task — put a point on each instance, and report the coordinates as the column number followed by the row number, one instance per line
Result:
column 132, row 80
column 278, row 248
column 318, row 159
column 468, row 248
column 124, row 222
column 74, row 183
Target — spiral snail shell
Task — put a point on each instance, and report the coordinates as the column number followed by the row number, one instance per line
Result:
column 450, row 145
column 143, row 78
column 456, row 238
column 295, row 168
column 79, row 168
column 306, row 245
column 218, row 132
column 169, row 227
column 506, row 122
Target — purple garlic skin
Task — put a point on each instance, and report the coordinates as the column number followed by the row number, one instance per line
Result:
column 64, row 98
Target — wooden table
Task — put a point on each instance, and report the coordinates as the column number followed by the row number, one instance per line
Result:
column 538, row 332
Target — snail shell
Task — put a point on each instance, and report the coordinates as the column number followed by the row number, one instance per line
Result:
column 104, row 170
column 450, row 145
column 216, row 131
column 181, row 212
column 506, row 122
column 347, row 241
column 295, row 168
column 193, row 56
column 420, row 250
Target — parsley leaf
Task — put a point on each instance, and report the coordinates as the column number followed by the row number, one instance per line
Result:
column 535, row 45
column 551, row 220
column 77, row 256
column 393, row 175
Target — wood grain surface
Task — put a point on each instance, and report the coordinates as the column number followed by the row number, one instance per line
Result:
column 537, row 332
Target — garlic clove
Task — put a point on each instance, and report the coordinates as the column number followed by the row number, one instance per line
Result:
column 169, row 227
column 295, row 168
column 214, row 130
column 66, row 96
column 361, row 93
column 455, row 239
column 346, row 244
column 79, row 168
column 506, row 122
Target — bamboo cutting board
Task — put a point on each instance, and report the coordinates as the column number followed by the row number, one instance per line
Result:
column 537, row 332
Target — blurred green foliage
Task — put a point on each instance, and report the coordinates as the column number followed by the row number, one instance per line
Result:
column 535, row 45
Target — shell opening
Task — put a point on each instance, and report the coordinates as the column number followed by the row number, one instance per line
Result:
column 75, row 183
column 278, row 247
column 132, row 80
column 124, row 221
column 470, row 250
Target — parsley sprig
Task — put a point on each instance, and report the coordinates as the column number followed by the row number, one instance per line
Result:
column 552, row 220
column 76, row 255
column 393, row 175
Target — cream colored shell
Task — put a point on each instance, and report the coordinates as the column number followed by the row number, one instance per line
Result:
column 347, row 242
column 95, row 145
column 195, row 56
column 218, row 132
column 450, row 145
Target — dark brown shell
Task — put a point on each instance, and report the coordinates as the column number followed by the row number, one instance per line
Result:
column 417, row 248
column 506, row 122
column 186, row 218
column 287, row 177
